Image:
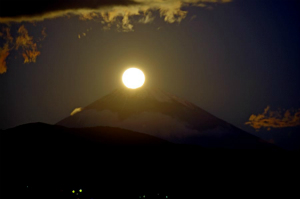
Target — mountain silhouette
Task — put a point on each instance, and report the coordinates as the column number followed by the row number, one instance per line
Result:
column 163, row 115
column 136, row 143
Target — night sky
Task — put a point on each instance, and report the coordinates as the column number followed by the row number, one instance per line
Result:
column 239, row 59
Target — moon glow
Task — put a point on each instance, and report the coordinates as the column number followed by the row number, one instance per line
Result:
column 133, row 78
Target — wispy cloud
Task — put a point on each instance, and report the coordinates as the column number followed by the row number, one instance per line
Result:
column 121, row 14
column 275, row 119
column 110, row 12
column 4, row 52
column 33, row 10
column 23, row 42
column 170, row 10
column 146, row 18
column 76, row 110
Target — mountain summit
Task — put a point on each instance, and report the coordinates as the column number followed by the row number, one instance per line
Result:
column 164, row 115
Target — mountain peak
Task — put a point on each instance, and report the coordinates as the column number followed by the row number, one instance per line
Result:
column 152, row 94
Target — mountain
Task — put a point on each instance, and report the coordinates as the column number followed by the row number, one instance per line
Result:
column 163, row 115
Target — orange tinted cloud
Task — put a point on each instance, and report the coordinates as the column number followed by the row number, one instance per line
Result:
column 4, row 52
column 117, row 12
column 44, row 34
column 275, row 119
column 170, row 10
column 76, row 110
column 30, row 55
column 6, row 35
column 25, row 42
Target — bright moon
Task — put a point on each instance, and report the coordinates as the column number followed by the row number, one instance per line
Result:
column 133, row 78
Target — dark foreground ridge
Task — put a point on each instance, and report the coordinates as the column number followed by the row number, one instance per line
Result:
column 49, row 161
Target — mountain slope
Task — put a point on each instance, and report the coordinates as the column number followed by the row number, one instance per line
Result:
column 163, row 115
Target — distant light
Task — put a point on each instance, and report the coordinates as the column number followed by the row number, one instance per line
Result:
column 144, row 196
column 77, row 194
column 73, row 191
column 80, row 190
column 167, row 197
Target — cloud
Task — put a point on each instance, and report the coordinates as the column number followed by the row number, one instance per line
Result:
column 25, row 42
column 44, row 35
column 76, row 110
column 170, row 10
column 110, row 12
column 119, row 13
column 4, row 52
column 22, row 42
column 275, row 119
column 5, row 34
column 147, row 18
column 84, row 34
column 34, row 10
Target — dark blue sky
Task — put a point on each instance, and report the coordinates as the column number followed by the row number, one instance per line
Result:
column 233, row 60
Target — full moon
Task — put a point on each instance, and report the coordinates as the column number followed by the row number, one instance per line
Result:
column 133, row 78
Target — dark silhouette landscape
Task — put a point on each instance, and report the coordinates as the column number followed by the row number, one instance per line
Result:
column 107, row 162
